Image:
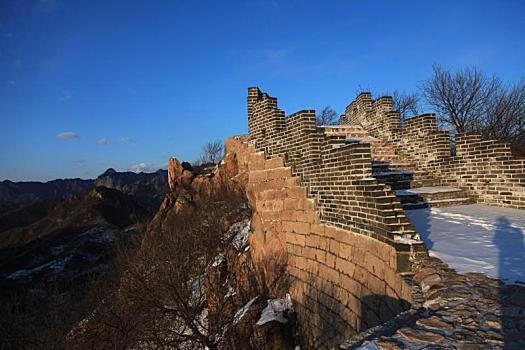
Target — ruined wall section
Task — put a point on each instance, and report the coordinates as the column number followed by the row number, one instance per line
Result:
column 337, row 175
column 485, row 169
column 340, row 282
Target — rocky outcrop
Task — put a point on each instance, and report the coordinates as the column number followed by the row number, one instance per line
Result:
column 233, row 275
column 189, row 188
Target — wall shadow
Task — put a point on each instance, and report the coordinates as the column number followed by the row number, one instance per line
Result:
column 420, row 219
column 511, row 296
column 327, row 318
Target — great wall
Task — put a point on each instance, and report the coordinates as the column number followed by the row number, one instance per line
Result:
column 331, row 201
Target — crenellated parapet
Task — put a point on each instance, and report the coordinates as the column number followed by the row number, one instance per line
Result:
column 344, row 235
column 375, row 116
column 326, row 200
column 337, row 173
column 485, row 169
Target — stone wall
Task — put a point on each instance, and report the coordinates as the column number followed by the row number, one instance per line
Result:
column 485, row 169
column 337, row 175
column 341, row 282
column 342, row 236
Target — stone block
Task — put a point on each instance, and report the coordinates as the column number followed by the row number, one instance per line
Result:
column 274, row 163
column 301, row 228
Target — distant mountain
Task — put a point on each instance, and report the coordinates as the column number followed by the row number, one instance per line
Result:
column 18, row 216
column 23, row 203
column 56, row 238
column 147, row 188
column 17, row 194
column 100, row 205
column 63, row 230
column 74, row 240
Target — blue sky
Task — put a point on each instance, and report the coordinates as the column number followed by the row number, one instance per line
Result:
column 154, row 79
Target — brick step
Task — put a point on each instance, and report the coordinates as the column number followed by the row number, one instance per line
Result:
column 342, row 128
column 337, row 141
column 383, row 154
column 399, row 180
column 395, row 178
column 415, row 195
column 394, row 158
column 367, row 139
column 408, row 184
column 380, row 149
column 392, row 166
column 410, row 234
column 438, row 203
column 348, row 134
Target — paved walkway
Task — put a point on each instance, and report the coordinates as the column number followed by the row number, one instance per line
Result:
column 475, row 238
column 452, row 311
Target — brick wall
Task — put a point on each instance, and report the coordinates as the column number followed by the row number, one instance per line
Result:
column 485, row 169
column 341, row 282
column 336, row 175
column 343, row 235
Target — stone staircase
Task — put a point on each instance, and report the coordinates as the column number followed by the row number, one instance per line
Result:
column 415, row 188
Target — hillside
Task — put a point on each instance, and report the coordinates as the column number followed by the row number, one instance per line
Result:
column 74, row 240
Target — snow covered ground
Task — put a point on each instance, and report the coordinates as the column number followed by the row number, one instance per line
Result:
column 476, row 238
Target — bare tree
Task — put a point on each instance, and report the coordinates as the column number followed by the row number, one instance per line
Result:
column 505, row 117
column 165, row 296
column 470, row 101
column 460, row 98
column 407, row 104
column 211, row 152
column 327, row 117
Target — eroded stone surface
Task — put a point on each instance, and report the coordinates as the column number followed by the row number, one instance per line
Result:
column 466, row 312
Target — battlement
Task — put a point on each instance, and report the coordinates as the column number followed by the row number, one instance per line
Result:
column 485, row 169
column 336, row 173
column 325, row 200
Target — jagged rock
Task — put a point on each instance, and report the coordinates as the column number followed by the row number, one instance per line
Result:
column 419, row 336
column 434, row 323
column 385, row 345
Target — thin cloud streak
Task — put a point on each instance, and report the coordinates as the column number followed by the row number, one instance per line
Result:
column 67, row 135
column 127, row 140
column 102, row 141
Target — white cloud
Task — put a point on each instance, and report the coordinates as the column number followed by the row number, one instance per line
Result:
column 67, row 135
column 147, row 167
column 102, row 141
column 79, row 161
column 127, row 140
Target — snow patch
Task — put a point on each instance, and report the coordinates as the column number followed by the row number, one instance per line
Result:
column 369, row 346
column 218, row 260
column 475, row 238
column 276, row 310
column 56, row 265
column 242, row 311
column 239, row 232
column 423, row 190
